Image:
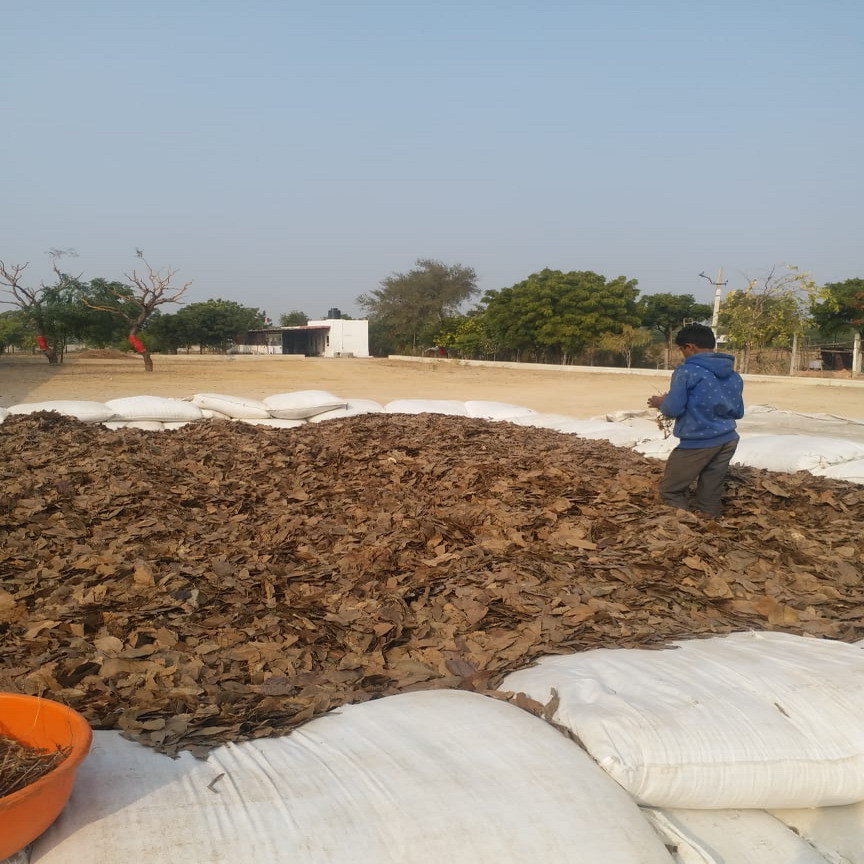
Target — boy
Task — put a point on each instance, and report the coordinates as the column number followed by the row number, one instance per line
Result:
column 705, row 399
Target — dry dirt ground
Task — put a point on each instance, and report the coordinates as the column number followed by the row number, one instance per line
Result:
column 578, row 394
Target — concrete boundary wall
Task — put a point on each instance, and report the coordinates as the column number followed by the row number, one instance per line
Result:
column 614, row 370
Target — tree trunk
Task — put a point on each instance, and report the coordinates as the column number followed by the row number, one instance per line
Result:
column 45, row 347
column 141, row 349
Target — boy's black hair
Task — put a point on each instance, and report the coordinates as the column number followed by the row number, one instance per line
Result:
column 696, row 334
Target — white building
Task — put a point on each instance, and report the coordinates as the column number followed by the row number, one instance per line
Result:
column 344, row 338
column 328, row 337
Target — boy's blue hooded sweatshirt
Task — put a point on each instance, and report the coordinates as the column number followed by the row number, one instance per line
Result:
column 705, row 399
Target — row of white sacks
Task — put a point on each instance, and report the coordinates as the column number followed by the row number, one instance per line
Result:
column 839, row 455
column 743, row 749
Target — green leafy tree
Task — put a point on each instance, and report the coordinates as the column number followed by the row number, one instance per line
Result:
column 63, row 316
column 46, row 308
column 767, row 313
column 667, row 313
column 383, row 340
column 558, row 315
column 13, row 330
column 409, row 308
column 168, row 332
column 217, row 324
column 294, row 318
column 512, row 317
column 136, row 303
column 96, row 327
column 838, row 307
column 468, row 336
column 630, row 339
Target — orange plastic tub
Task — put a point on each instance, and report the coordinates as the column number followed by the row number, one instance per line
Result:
column 42, row 723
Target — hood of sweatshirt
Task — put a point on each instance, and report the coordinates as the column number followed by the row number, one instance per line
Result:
column 721, row 365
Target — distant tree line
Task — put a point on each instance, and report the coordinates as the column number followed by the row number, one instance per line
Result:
column 550, row 316
column 583, row 317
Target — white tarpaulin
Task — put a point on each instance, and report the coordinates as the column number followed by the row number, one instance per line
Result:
column 434, row 777
column 837, row 832
column 795, row 452
column 730, row 837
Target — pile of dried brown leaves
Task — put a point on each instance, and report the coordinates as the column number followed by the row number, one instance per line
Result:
column 223, row 581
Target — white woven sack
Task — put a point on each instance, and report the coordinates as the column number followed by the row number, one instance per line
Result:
column 739, row 836
column 83, row 410
column 144, row 425
column 354, row 408
column 426, row 406
column 3, row 414
column 419, row 778
column 751, row 720
column 495, row 410
column 157, row 408
column 208, row 414
column 837, row 832
column 795, row 452
column 237, row 407
column 301, row 404
column 274, row 422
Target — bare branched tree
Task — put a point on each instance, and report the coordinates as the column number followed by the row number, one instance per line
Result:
column 149, row 290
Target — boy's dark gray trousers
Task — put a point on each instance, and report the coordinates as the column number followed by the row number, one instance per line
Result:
column 708, row 467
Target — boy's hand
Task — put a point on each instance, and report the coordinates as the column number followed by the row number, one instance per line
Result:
column 654, row 401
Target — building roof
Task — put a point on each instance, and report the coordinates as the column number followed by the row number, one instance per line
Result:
column 284, row 329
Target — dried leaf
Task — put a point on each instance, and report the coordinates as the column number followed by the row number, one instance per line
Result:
column 143, row 574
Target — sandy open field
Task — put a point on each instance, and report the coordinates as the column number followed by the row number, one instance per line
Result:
column 578, row 394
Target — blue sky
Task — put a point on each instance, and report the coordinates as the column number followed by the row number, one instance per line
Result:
column 290, row 155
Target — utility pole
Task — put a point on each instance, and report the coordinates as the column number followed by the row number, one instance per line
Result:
column 856, row 354
column 718, row 284
column 793, row 359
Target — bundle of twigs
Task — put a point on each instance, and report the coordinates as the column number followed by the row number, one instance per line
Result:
column 21, row 765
